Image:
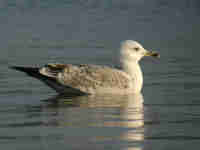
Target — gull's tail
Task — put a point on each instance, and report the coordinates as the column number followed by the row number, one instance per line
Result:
column 31, row 71
column 50, row 81
column 35, row 73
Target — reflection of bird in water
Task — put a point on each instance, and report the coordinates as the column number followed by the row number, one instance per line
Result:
column 94, row 79
column 92, row 119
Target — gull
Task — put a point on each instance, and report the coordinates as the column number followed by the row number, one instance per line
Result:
column 95, row 79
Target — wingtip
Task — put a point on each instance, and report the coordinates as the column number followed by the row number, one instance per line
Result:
column 12, row 67
column 24, row 69
column 15, row 67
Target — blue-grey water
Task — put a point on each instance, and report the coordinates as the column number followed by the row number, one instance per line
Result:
column 165, row 116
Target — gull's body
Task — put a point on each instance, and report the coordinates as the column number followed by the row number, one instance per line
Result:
column 94, row 79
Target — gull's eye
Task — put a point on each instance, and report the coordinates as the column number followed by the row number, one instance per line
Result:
column 136, row 49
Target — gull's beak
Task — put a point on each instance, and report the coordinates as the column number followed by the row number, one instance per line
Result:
column 152, row 53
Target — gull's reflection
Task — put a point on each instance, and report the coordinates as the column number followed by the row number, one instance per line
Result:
column 101, row 118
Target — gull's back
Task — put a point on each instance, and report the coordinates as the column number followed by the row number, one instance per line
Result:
column 89, row 78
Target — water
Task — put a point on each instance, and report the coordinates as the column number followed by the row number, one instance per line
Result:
column 165, row 116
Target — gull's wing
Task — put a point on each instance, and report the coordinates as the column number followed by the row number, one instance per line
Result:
column 87, row 78
column 49, row 79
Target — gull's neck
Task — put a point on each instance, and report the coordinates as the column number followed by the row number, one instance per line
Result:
column 132, row 68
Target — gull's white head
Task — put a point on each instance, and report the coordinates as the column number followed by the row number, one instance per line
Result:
column 130, row 54
column 134, row 51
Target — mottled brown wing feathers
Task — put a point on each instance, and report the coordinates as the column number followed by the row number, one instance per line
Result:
column 84, row 77
column 52, row 70
column 92, row 76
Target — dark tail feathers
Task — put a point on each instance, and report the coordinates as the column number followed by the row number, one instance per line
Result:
column 34, row 72
column 31, row 71
column 52, row 82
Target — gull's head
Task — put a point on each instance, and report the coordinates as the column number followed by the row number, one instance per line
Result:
column 134, row 51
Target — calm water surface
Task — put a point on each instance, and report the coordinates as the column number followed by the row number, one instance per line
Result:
column 165, row 116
